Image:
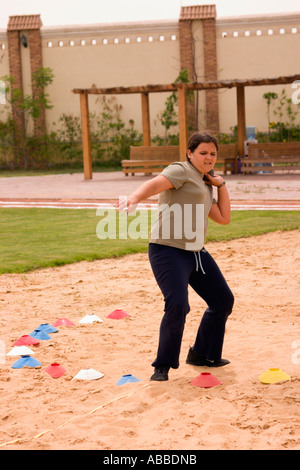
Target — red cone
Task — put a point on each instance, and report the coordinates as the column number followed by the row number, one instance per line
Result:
column 206, row 380
column 118, row 314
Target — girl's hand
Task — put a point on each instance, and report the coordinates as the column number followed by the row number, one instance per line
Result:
column 215, row 180
column 154, row 186
column 125, row 203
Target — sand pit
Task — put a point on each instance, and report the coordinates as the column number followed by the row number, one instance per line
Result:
column 40, row 412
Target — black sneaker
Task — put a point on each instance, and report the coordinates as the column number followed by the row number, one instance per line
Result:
column 197, row 360
column 160, row 374
column 220, row 363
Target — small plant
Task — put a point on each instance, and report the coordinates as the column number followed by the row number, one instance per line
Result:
column 269, row 97
column 169, row 116
column 286, row 128
column 228, row 138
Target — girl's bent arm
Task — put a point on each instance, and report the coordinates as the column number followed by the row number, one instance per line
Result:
column 220, row 212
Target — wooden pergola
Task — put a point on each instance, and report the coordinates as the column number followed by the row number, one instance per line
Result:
column 182, row 90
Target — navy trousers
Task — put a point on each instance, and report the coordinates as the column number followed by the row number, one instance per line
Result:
column 174, row 270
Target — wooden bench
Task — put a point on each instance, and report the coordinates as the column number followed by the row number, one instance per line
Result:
column 154, row 159
column 150, row 159
column 227, row 158
column 272, row 157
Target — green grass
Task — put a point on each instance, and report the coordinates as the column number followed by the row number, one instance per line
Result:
column 36, row 238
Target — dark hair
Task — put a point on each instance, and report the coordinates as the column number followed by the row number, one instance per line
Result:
column 198, row 138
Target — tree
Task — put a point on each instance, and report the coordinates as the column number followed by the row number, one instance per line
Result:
column 28, row 106
column 39, row 101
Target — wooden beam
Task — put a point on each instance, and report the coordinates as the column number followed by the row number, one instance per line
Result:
column 127, row 90
column 241, row 120
column 183, row 125
column 146, row 119
column 207, row 85
column 86, row 138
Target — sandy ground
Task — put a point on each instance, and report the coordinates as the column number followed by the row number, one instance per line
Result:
column 39, row 412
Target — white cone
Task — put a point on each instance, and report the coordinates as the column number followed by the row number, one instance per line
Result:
column 88, row 374
column 90, row 319
column 20, row 351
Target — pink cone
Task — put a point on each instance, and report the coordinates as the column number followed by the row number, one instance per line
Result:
column 63, row 322
column 55, row 370
column 26, row 340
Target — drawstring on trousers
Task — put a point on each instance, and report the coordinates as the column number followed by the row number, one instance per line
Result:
column 198, row 261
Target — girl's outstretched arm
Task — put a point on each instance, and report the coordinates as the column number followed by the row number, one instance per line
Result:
column 154, row 186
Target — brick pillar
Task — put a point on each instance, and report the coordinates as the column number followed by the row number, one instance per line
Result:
column 36, row 62
column 210, row 73
column 187, row 62
column 207, row 14
column 15, row 71
column 29, row 25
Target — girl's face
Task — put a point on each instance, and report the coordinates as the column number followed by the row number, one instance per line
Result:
column 204, row 157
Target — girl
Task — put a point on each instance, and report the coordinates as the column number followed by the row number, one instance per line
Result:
column 178, row 260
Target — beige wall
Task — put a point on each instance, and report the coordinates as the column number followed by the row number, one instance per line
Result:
column 246, row 49
column 118, row 57
column 129, row 58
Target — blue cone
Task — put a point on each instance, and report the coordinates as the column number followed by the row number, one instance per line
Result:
column 127, row 378
column 26, row 361
column 47, row 328
column 39, row 334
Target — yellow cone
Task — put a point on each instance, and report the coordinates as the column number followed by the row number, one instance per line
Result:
column 272, row 376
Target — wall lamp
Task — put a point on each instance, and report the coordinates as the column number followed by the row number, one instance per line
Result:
column 24, row 40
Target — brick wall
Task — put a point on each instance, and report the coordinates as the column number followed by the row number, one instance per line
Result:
column 15, row 71
column 210, row 73
column 187, row 62
column 36, row 62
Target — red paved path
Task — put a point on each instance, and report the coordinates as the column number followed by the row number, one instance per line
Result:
column 71, row 190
